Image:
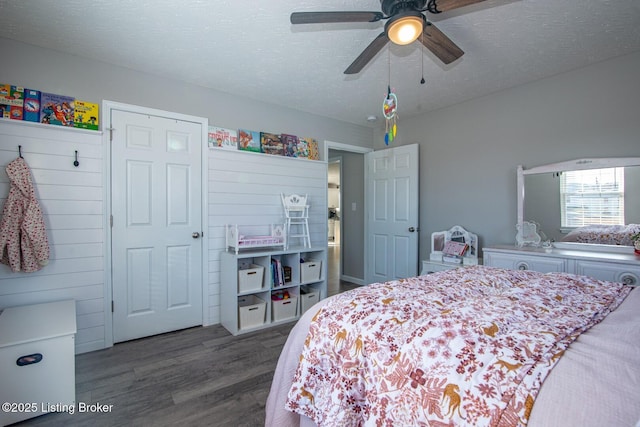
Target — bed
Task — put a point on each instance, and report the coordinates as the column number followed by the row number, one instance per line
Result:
column 603, row 234
column 424, row 351
column 238, row 239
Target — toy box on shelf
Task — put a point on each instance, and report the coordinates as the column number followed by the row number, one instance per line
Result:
column 250, row 277
column 308, row 297
column 284, row 305
column 310, row 270
column 251, row 311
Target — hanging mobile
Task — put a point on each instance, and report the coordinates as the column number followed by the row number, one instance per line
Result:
column 390, row 109
column 390, row 112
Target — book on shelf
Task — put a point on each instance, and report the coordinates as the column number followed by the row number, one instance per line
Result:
column 248, row 140
column 277, row 273
column 31, row 110
column 11, row 102
column 85, row 115
column 222, row 138
column 307, row 148
column 271, row 144
column 56, row 109
column 290, row 145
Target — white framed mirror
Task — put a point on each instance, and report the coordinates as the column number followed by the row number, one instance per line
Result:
column 542, row 197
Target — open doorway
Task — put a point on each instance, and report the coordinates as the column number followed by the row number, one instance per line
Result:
column 334, row 257
column 334, row 175
column 345, row 261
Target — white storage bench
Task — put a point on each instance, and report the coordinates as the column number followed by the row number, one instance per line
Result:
column 37, row 359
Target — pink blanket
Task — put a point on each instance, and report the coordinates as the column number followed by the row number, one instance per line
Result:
column 468, row 347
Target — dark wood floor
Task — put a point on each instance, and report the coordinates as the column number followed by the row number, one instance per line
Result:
column 201, row 376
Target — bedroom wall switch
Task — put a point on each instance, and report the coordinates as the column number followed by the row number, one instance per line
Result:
column 353, row 206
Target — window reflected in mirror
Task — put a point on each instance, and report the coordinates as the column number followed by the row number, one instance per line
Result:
column 588, row 197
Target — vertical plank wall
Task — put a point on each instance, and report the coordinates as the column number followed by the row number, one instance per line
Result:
column 245, row 188
column 72, row 201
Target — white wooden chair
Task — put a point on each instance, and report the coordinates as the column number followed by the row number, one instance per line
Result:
column 296, row 212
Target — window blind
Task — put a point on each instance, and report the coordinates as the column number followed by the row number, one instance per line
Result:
column 594, row 196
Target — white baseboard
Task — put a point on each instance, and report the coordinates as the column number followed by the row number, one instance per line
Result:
column 353, row 280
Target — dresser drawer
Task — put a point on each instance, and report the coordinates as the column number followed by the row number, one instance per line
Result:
column 523, row 262
column 629, row 275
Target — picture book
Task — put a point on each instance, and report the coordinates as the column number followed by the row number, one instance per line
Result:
column 311, row 147
column 56, row 109
column 31, row 110
column 85, row 115
column 290, row 145
column 11, row 102
column 248, row 140
column 223, row 138
column 454, row 248
column 271, row 143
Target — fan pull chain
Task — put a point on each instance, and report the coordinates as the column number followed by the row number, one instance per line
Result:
column 422, row 81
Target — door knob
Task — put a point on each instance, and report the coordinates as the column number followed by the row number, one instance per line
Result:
column 195, row 235
column 412, row 229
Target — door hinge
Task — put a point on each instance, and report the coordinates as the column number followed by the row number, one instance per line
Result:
column 112, row 306
column 111, row 220
column 110, row 129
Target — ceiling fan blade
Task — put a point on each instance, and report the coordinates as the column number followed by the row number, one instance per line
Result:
column 441, row 46
column 367, row 55
column 437, row 6
column 327, row 17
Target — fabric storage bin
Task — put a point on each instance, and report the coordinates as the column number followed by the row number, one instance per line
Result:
column 284, row 308
column 308, row 297
column 251, row 311
column 310, row 271
column 250, row 279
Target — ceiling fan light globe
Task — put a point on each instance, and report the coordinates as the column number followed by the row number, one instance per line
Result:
column 404, row 30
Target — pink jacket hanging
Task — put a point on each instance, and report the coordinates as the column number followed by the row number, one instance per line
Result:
column 23, row 239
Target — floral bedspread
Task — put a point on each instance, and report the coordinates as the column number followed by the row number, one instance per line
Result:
column 469, row 347
column 604, row 234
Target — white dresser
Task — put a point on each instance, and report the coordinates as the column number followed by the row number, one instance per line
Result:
column 611, row 266
column 37, row 360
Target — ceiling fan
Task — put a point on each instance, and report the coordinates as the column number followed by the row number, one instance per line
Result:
column 406, row 23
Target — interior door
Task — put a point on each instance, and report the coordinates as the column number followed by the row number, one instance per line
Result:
column 157, row 226
column 392, row 213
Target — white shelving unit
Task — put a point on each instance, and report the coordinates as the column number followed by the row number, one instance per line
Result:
column 232, row 298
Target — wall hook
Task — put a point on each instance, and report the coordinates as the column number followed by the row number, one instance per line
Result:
column 20, row 151
column 76, row 163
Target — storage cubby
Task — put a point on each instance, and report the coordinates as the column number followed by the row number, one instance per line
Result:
column 248, row 283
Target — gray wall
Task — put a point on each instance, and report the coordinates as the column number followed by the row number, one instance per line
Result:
column 94, row 81
column 469, row 151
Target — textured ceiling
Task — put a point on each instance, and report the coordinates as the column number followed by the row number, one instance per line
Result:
column 251, row 49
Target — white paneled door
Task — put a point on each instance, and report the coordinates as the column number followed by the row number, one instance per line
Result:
column 392, row 213
column 157, row 224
